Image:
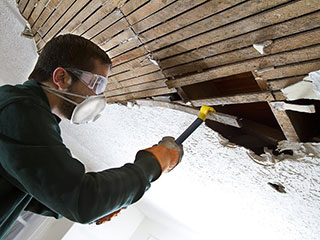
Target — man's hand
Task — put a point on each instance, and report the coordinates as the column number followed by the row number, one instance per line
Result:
column 108, row 217
column 168, row 153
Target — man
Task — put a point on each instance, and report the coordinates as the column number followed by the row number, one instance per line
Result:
column 37, row 171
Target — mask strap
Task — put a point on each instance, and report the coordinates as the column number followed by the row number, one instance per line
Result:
column 56, row 92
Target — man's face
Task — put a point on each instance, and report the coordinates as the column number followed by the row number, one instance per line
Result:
column 78, row 87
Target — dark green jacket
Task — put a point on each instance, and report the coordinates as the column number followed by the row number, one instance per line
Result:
column 39, row 174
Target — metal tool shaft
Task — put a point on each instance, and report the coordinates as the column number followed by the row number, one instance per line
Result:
column 189, row 131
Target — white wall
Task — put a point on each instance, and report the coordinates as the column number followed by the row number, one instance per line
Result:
column 46, row 228
column 18, row 54
column 149, row 229
column 119, row 228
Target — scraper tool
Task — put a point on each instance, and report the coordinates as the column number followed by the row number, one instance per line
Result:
column 204, row 111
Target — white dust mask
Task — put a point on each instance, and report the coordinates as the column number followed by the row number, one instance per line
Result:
column 85, row 112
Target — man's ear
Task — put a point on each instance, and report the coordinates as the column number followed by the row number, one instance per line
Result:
column 61, row 78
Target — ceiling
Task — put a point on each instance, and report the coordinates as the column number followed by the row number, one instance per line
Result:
column 216, row 189
column 159, row 46
column 200, row 52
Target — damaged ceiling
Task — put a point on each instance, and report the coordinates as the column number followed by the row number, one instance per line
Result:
column 229, row 190
column 235, row 55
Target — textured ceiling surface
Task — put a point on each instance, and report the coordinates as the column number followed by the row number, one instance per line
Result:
column 215, row 189
column 15, row 65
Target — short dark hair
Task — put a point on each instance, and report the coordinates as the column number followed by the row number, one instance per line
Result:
column 67, row 51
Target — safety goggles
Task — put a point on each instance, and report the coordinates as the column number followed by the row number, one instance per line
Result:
column 95, row 82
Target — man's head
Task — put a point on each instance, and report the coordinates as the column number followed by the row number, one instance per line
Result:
column 67, row 51
column 59, row 62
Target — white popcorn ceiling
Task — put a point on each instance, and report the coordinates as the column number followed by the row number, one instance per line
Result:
column 217, row 190
column 18, row 54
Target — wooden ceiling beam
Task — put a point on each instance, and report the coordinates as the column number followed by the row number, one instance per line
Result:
column 285, row 124
column 236, row 99
column 141, row 94
column 218, row 117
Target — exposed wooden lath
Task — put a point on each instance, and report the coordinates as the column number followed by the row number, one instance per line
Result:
column 160, row 46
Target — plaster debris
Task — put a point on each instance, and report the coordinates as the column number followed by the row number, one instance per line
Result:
column 260, row 46
column 298, row 151
column 282, row 106
column 162, row 98
column 27, row 32
column 308, row 88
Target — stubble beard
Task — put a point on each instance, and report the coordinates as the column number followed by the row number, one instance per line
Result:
column 66, row 108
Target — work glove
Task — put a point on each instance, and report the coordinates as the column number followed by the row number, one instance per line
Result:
column 168, row 153
column 108, row 217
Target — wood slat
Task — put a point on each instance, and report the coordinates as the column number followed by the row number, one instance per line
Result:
column 41, row 43
column 131, row 65
column 142, row 94
column 132, row 5
column 22, row 4
column 168, row 12
column 136, row 88
column 190, row 17
column 49, row 8
column 147, row 10
column 205, row 57
column 246, row 25
column 123, row 47
column 138, row 80
column 293, row 70
column 83, row 14
column 285, row 124
column 218, row 117
column 279, row 96
column 122, row 37
column 60, row 10
column 101, row 13
column 251, row 65
column 103, row 24
column 134, row 73
column 29, row 8
column 111, row 31
column 37, row 11
column 73, row 11
column 284, row 82
column 136, row 53
column 236, row 99
column 276, row 31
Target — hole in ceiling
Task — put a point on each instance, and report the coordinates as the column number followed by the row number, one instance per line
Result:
column 220, row 87
column 259, row 127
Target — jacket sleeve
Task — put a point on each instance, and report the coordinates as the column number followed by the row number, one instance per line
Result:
column 34, row 154
column 37, row 207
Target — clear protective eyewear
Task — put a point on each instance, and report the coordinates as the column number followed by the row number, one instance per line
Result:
column 95, row 82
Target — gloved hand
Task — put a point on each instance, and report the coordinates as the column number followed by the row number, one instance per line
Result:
column 108, row 217
column 168, row 153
